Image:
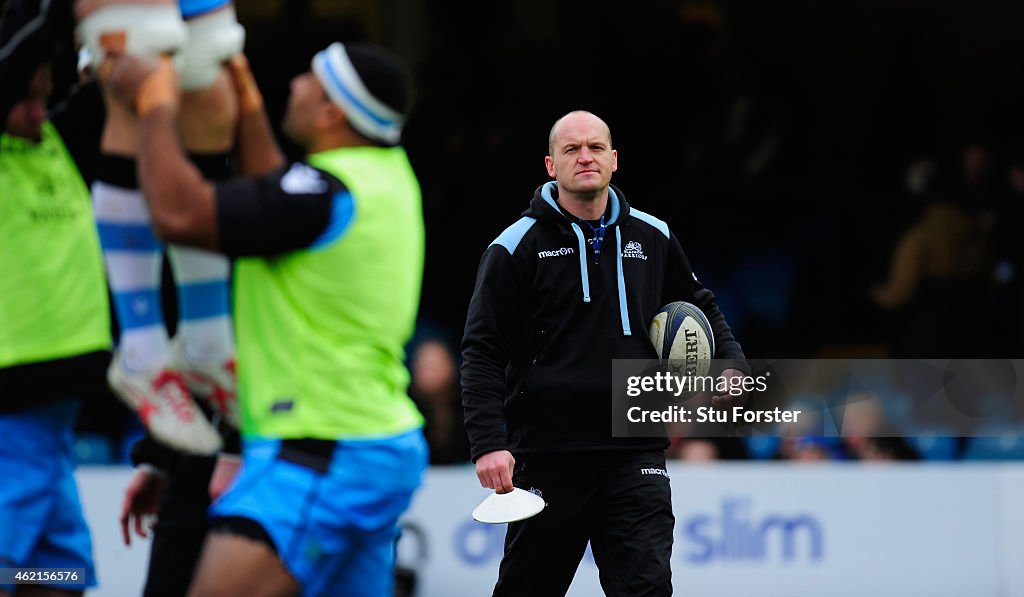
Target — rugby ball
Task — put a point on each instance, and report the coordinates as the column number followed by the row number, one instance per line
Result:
column 682, row 337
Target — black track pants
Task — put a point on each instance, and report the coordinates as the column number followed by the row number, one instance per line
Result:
column 620, row 502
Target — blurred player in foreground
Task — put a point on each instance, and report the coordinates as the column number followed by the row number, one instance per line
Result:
column 54, row 343
column 329, row 259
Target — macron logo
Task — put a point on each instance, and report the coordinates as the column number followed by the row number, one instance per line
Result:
column 555, row 253
column 655, row 471
column 635, row 250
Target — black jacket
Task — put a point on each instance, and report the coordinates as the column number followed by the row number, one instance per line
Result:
column 548, row 316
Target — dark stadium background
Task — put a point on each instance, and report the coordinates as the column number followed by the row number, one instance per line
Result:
column 772, row 136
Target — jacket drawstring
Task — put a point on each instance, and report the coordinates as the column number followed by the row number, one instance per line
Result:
column 583, row 262
column 623, row 310
column 585, row 275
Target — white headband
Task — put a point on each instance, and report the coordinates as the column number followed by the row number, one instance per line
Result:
column 365, row 113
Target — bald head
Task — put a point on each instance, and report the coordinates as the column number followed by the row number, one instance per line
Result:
column 575, row 117
column 582, row 160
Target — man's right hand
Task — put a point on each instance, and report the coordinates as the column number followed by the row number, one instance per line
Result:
column 494, row 469
column 139, row 83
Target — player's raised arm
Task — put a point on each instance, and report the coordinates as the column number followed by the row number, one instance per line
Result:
column 258, row 151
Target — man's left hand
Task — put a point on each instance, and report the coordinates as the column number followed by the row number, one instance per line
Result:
column 732, row 393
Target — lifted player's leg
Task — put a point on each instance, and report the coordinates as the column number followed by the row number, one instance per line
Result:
column 140, row 373
column 203, row 349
